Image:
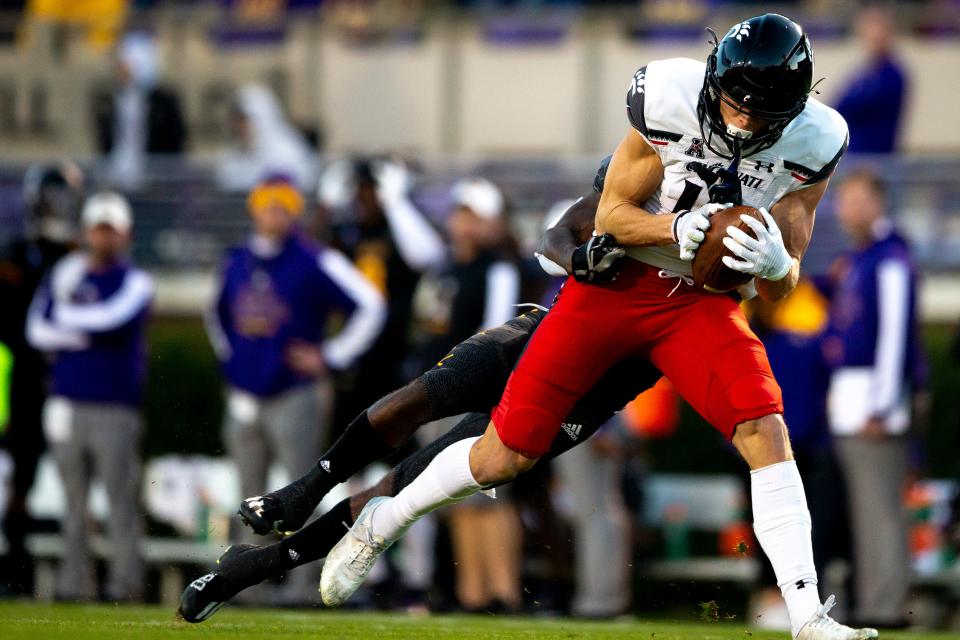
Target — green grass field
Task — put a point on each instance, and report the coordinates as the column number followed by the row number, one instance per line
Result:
column 33, row 621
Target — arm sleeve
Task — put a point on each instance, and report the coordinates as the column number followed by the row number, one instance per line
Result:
column 217, row 322
column 503, row 291
column 368, row 317
column 893, row 315
column 133, row 296
column 419, row 244
column 44, row 335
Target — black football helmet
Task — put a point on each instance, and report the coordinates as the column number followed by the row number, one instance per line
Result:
column 762, row 67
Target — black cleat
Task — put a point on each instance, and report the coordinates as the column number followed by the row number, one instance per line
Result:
column 241, row 566
column 263, row 514
column 286, row 509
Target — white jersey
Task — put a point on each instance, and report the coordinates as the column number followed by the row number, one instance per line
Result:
column 662, row 106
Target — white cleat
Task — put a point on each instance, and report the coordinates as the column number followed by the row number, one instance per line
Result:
column 351, row 559
column 823, row 627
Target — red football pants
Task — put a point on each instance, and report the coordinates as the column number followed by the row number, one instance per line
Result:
column 700, row 341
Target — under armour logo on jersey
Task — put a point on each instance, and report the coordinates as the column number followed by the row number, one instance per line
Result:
column 740, row 30
column 695, row 149
column 760, row 164
column 636, row 85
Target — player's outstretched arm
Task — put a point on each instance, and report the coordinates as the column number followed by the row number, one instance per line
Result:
column 634, row 175
column 570, row 247
column 573, row 228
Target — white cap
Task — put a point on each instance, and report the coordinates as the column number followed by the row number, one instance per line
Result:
column 481, row 196
column 138, row 51
column 107, row 208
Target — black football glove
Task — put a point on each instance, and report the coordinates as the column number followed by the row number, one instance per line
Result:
column 598, row 259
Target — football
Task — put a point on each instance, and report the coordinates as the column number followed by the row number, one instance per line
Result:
column 709, row 272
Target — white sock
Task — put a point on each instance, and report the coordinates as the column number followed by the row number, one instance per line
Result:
column 446, row 480
column 781, row 521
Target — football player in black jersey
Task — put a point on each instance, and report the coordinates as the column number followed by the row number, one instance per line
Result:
column 470, row 379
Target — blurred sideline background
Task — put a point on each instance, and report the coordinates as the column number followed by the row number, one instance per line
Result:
column 526, row 94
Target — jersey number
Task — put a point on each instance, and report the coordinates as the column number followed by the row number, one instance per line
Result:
column 689, row 196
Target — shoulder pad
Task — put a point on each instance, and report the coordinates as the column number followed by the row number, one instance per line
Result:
column 636, row 96
column 662, row 99
column 817, row 143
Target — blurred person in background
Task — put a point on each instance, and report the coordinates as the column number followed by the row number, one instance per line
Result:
column 953, row 526
column 592, row 474
column 52, row 195
column 872, row 346
column 374, row 222
column 279, row 294
column 139, row 118
column 264, row 143
column 875, row 97
column 792, row 332
column 477, row 290
column 90, row 316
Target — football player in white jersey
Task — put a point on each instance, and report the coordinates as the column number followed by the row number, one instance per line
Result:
column 740, row 128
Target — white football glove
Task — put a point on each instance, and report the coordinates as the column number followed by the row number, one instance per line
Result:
column 394, row 181
column 689, row 228
column 764, row 257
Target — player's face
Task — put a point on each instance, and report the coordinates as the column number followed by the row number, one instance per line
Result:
column 469, row 231
column 858, row 207
column 273, row 221
column 105, row 242
column 462, row 226
column 741, row 118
